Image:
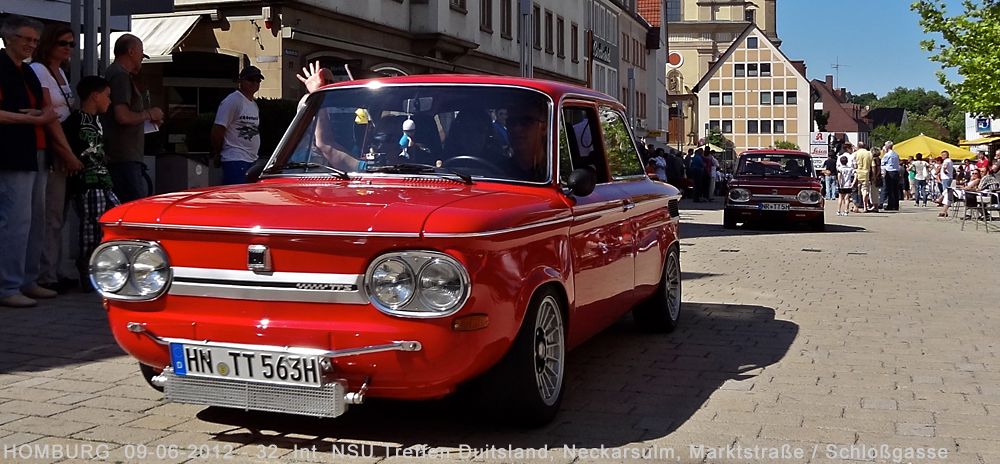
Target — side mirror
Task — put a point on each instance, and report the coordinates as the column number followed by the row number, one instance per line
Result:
column 581, row 182
column 253, row 174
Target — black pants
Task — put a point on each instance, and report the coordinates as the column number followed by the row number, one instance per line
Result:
column 699, row 184
column 891, row 180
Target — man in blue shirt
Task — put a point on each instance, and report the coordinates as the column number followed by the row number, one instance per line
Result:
column 890, row 166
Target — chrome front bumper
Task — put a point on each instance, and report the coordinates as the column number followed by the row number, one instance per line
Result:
column 790, row 208
column 330, row 400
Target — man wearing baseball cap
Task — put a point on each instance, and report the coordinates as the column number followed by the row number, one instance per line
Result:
column 236, row 133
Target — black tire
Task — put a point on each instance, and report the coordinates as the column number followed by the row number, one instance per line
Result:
column 516, row 388
column 818, row 224
column 661, row 312
column 148, row 373
column 728, row 221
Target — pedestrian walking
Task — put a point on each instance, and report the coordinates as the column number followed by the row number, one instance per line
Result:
column 659, row 163
column 697, row 170
column 891, row 177
column 847, row 177
column 25, row 117
column 909, row 185
column 52, row 53
column 711, row 170
column 236, row 133
column 124, row 122
column 946, row 174
column 921, row 174
column 91, row 188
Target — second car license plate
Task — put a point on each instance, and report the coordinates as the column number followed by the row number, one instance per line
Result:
column 242, row 364
column 774, row 206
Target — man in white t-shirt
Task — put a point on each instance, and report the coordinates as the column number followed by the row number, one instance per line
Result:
column 236, row 133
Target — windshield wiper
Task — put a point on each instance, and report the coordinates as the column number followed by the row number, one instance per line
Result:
column 417, row 168
column 307, row 165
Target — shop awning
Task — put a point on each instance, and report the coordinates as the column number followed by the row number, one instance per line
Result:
column 160, row 35
column 982, row 141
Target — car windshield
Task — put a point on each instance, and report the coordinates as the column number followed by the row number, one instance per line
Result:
column 461, row 131
column 775, row 164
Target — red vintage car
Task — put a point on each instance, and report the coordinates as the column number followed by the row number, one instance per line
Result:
column 774, row 185
column 409, row 235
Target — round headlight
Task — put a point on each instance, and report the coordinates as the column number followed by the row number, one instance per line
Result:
column 440, row 285
column 808, row 196
column 738, row 194
column 149, row 271
column 392, row 283
column 109, row 269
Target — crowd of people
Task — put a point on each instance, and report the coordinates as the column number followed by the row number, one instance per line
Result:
column 877, row 180
column 698, row 174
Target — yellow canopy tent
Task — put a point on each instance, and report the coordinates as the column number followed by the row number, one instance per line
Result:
column 714, row 148
column 930, row 148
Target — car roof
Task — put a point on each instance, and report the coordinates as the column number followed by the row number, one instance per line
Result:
column 775, row 151
column 554, row 89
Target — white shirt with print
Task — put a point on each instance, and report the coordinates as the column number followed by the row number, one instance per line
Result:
column 241, row 118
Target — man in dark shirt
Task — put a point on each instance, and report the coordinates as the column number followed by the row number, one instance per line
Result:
column 830, row 176
column 124, row 123
column 527, row 127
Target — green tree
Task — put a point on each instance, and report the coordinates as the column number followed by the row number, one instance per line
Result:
column 785, row 145
column 862, row 100
column 971, row 46
column 716, row 138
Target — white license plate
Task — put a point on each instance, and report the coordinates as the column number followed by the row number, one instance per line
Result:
column 245, row 364
column 774, row 206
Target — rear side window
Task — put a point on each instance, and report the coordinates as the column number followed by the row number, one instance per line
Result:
column 623, row 159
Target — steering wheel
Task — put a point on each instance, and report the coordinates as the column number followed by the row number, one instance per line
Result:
column 491, row 168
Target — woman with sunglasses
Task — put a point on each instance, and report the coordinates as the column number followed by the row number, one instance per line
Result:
column 55, row 46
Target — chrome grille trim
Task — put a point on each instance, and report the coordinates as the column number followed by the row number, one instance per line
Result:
column 326, row 401
column 270, row 286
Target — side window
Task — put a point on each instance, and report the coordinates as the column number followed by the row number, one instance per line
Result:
column 579, row 144
column 623, row 160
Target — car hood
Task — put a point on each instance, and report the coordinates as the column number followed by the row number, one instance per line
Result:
column 299, row 205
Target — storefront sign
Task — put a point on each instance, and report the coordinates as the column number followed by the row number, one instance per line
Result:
column 133, row 7
column 605, row 52
column 983, row 125
column 819, row 138
column 819, row 150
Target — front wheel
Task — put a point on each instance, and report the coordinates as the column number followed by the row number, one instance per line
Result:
column 526, row 386
column 662, row 311
column 728, row 220
column 818, row 224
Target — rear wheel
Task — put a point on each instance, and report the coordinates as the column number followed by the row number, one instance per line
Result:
column 818, row 224
column 526, row 386
column 662, row 311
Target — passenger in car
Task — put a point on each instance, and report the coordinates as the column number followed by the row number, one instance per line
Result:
column 528, row 130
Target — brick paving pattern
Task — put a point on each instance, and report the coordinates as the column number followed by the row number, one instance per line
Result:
column 880, row 331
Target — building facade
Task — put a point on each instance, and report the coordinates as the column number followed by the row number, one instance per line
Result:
column 698, row 32
column 755, row 95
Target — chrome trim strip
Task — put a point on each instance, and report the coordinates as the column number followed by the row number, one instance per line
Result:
column 237, row 285
column 758, row 196
column 263, row 231
column 137, row 327
column 508, row 230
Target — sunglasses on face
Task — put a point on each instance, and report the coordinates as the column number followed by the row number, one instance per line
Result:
column 65, row 43
column 254, row 79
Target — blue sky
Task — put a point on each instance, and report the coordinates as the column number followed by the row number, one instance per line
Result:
column 878, row 39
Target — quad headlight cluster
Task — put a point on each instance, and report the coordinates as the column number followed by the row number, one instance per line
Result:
column 739, row 194
column 809, row 197
column 130, row 270
column 417, row 284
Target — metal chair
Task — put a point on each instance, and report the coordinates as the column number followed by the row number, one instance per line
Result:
column 990, row 202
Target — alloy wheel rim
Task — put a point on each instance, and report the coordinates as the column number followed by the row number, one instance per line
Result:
column 673, row 281
column 550, row 350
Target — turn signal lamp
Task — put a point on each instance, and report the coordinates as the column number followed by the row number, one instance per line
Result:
column 470, row 322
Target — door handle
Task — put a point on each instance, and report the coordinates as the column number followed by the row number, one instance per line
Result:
column 627, row 205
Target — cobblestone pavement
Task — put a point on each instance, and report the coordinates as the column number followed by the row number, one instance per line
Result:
column 881, row 331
